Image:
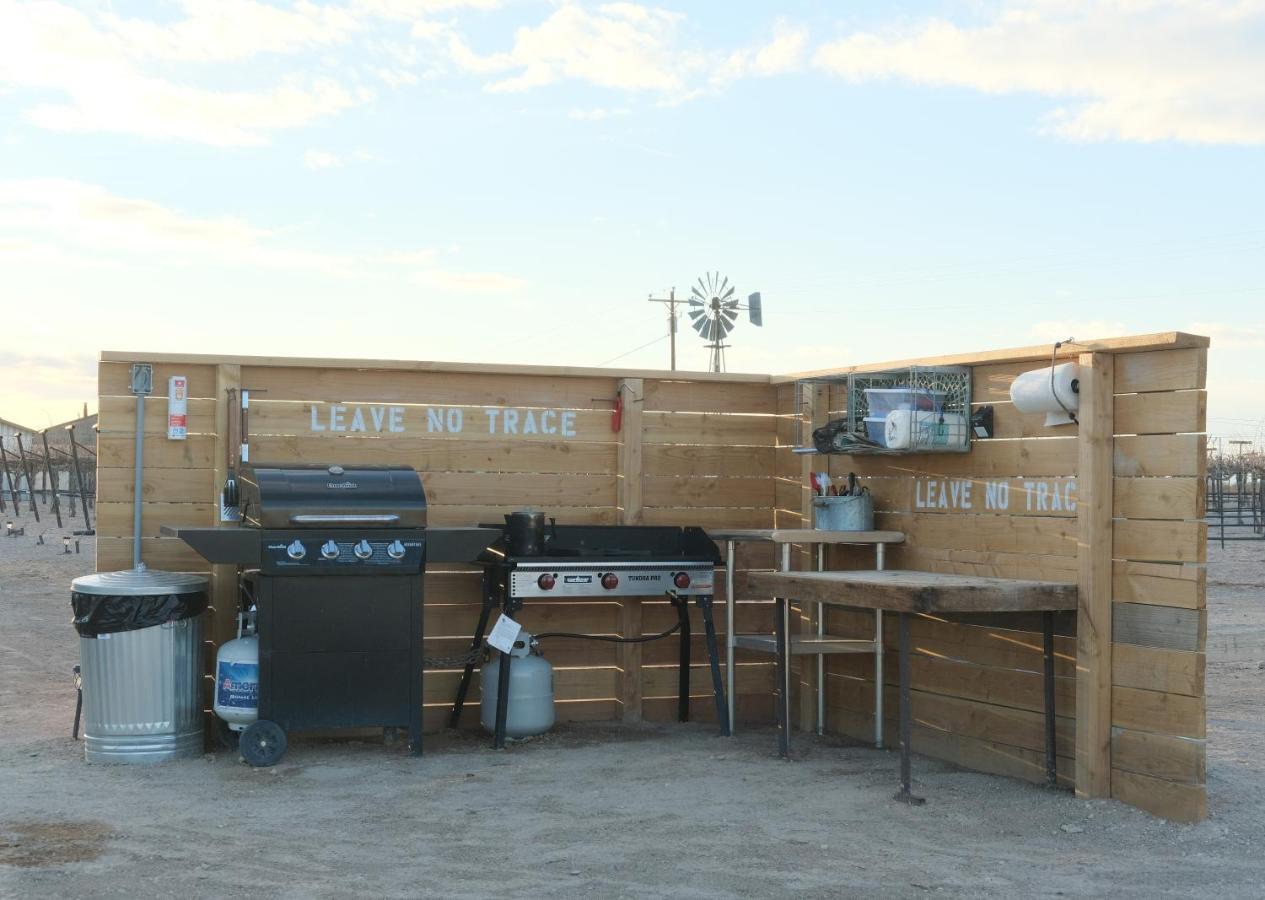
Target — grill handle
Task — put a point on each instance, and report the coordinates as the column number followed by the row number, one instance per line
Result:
column 344, row 520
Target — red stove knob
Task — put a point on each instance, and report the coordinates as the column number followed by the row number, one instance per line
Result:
column 546, row 582
column 610, row 581
column 682, row 580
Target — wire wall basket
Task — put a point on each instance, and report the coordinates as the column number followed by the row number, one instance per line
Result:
column 919, row 409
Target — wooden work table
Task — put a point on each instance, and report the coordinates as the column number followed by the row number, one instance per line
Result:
column 906, row 593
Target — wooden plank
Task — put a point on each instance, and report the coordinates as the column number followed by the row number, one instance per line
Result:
column 723, row 491
column 1093, row 627
column 115, row 518
column 988, row 563
column 1160, row 541
column 1158, row 498
column 722, row 429
column 1161, row 370
column 118, row 415
column 119, row 451
column 1159, row 755
column 709, row 517
column 1168, row 412
column 630, row 660
column 437, row 514
column 630, row 491
column 1138, row 456
column 922, row 592
column 1166, row 627
column 1174, row 714
column 588, row 683
column 521, row 489
column 1159, row 584
column 1053, row 457
column 668, row 459
column 113, row 378
column 1166, row 799
column 1038, row 355
column 1157, row 669
column 167, row 486
column 1008, row 422
column 157, row 553
column 1041, row 535
column 541, row 457
column 694, row 396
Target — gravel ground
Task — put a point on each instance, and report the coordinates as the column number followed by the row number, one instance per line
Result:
column 594, row 811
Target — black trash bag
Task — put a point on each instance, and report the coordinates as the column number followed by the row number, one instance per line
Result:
column 834, row 437
column 110, row 613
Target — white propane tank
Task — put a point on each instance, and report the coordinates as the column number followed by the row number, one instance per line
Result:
column 237, row 682
column 530, row 709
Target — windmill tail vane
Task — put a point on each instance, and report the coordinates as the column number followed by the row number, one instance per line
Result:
column 713, row 309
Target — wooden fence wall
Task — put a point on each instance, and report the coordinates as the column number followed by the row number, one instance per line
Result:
column 697, row 449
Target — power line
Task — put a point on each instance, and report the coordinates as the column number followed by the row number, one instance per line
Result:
column 634, row 350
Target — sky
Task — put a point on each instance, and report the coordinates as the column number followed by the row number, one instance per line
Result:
column 510, row 180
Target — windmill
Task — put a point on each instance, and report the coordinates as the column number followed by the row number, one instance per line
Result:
column 713, row 310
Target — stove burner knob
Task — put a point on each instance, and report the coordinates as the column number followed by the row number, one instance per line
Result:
column 682, row 580
column 546, row 582
column 610, row 581
column 395, row 550
column 363, row 550
column 296, row 550
column 329, row 550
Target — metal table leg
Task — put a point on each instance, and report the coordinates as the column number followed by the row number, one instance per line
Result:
column 683, row 670
column 821, row 657
column 713, row 658
column 730, row 641
column 905, row 717
column 781, row 628
column 1051, row 761
column 489, row 600
column 878, row 658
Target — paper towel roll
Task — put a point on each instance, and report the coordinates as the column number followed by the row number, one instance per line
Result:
column 1033, row 392
column 908, row 429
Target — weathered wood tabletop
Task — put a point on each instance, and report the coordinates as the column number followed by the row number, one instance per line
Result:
column 916, row 592
column 804, row 536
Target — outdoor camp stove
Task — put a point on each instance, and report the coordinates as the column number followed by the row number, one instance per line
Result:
column 335, row 558
column 601, row 561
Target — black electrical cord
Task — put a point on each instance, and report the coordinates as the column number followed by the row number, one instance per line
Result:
column 1057, row 399
column 608, row 638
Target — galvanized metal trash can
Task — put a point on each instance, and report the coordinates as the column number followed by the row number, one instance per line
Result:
column 140, row 652
column 850, row 513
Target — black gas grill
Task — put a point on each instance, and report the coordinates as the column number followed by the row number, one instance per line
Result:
column 334, row 559
column 603, row 561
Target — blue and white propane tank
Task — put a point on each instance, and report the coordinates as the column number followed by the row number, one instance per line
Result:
column 237, row 682
column 530, row 709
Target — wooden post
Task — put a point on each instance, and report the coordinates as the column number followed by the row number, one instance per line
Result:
column 631, row 395
column 223, row 578
column 1094, row 549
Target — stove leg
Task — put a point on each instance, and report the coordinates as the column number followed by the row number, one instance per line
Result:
column 781, row 636
column 502, row 701
column 1051, row 761
column 464, row 687
column 713, row 657
column 683, row 674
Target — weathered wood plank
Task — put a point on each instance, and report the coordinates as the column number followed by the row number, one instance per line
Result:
column 630, row 489
column 115, row 518
column 1166, row 627
column 1158, row 498
column 167, row 486
column 113, row 378
column 494, row 489
column 198, row 451
column 920, row 592
column 541, row 457
column 1093, row 626
column 1042, row 535
column 1166, row 799
column 1168, row 412
column 1160, row 541
column 1138, row 456
column 722, row 429
column 692, row 492
column 1156, row 669
column 668, row 459
column 1159, row 755
column 1173, row 714
column 700, row 396
column 157, row 553
column 118, row 415
column 1053, row 457
column 1161, row 370
column 1159, row 584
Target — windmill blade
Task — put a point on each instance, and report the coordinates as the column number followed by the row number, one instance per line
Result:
column 727, row 294
column 700, row 325
column 702, row 288
column 724, row 284
column 730, row 315
column 730, row 304
column 754, row 310
column 725, row 327
column 696, row 314
column 698, row 303
column 697, row 293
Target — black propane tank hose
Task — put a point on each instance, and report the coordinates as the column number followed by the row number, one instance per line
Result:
column 608, row 638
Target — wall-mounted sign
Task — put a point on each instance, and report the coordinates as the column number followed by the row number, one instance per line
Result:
column 177, row 408
column 509, row 421
column 1052, row 496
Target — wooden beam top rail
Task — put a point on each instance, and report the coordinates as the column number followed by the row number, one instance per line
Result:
column 916, row 592
column 804, row 536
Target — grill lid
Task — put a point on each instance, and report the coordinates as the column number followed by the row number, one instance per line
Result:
column 332, row 496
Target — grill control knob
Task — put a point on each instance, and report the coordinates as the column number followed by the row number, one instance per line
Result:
column 363, row 550
column 329, row 549
column 395, row 550
column 610, row 581
column 682, row 580
column 296, row 550
column 546, row 582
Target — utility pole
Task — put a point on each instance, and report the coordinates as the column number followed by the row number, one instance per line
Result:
column 672, row 302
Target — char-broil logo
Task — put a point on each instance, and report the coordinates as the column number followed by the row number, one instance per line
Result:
column 341, row 485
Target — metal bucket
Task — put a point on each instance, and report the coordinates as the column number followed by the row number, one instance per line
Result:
column 142, row 687
column 851, row 513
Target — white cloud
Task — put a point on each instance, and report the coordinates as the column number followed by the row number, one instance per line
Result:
column 598, row 113
column 783, row 53
column 321, row 159
column 1138, row 70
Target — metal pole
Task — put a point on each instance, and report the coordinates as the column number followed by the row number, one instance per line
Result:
column 905, row 795
column 52, row 482
column 878, row 659
column 672, row 324
column 821, row 657
column 1047, row 655
column 731, row 642
column 139, row 475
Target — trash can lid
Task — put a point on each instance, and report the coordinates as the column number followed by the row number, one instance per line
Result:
column 139, row 582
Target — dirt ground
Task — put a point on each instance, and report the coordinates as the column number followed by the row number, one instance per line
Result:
column 595, row 811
